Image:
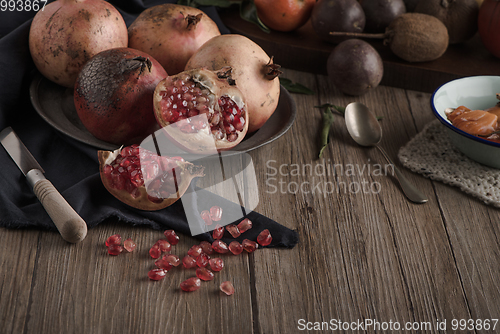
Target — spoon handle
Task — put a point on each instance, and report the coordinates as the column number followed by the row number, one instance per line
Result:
column 412, row 193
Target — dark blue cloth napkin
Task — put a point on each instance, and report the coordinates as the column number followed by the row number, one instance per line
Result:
column 71, row 165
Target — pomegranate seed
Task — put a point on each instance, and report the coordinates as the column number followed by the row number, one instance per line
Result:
column 164, row 245
column 195, row 251
column 218, row 232
column 204, row 274
column 189, row 262
column 129, row 245
column 205, row 215
column 264, row 238
column 216, row 213
column 202, row 260
column 191, row 284
column 216, row 264
column 172, row 237
column 227, row 288
column 173, row 259
column 233, row 230
column 206, row 247
column 163, row 263
column 235, row 247
column 156, row 274
column 155, row 251
column 249, row 245
column 220, row 246
column 115, row 239
column 245, row 225
column 115, row 249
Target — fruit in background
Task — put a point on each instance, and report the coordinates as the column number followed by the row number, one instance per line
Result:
column 355, row 67
column 459, row 16
column 144, row 180
column 489, row 26
column 171, row 34
column 337, row 15
column 284, row 15
column 114, row 95
column 380, row 13
column 253, row 70
column 67, row 33
column 410, row 5
column 201, row 110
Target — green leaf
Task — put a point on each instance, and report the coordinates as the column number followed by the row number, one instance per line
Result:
column 248, row 12
column 339, row 110
column 328, row 119
column 295, row 87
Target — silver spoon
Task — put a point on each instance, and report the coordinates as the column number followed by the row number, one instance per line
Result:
column 365, row 129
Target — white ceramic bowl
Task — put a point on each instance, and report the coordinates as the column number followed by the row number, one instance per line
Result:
column 478, row 92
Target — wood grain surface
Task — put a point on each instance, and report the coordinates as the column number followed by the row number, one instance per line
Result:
column 360, row 256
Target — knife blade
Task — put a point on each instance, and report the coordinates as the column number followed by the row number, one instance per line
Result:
column 69, row 224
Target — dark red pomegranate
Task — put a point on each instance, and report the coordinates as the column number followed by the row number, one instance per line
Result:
column 201, row 110
column 144, row 180
column 114, row 95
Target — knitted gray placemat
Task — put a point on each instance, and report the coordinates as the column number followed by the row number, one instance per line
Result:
column 431, row 154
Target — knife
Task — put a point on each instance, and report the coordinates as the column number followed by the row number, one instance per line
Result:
column 70, row 225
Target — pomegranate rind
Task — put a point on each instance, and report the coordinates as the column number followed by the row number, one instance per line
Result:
column 188, row 171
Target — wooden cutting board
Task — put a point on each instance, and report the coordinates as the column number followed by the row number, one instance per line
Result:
column 303, row 50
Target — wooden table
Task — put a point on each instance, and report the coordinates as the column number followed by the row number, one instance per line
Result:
column 361, row 256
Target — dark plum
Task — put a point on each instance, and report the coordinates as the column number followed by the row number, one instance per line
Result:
column 380, row 13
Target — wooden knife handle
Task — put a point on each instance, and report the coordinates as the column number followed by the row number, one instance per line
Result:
column 70, row 225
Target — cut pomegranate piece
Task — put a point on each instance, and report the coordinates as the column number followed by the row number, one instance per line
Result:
column 220, row 247
column 129, row 245
column 189, row 262
column 163, row 263
column 207, row 247
column 172, row 237
column 264, row 238
column 233, row 230
column 202, row 260
column 191, row 284
column 249, row 245
column 216, row 264
column 216, row 213
column 115, row 239
column 235, row 247
column 204, row 274
column 205, row 215
column 195, row 251
column 164, row 245
column 155, row 251
column 115, row 249
column 245, row 225
column 227, row 288
column 156, row 274
column 173, row 259
column 218, row 232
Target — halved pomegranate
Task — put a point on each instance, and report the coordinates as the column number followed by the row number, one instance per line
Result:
column 144, row 180
column 201, row 110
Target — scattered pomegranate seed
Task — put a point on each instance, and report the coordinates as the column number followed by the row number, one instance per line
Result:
column 264, row 238
column 227, row 288
column 115, row 249
column 204, row 274
column 206, row 247
column 218, row 232
column 173, row 259
column 156, row 274
column 216, row 264
column 195, row 251
column 233, row 230
column 191, row 284
column 155, row 251
column 205, row 215
column 249, row 245
column 189, row 262
column 220, row 246
column 129, row 245
column 235, row 247
column 164, row 245
column 115, row 239
column 163, row 263
column 216, row 213
column 245, row 225
column 172, row 237
column 202, row 260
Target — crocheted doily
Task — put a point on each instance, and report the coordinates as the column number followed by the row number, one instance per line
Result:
column 432, row 154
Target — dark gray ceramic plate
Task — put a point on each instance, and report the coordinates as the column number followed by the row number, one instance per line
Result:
column 55, row 105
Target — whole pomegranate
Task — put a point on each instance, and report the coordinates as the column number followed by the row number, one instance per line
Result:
column 489, row 26
column 144, row 180
column 201, row 110
column 67, row 33
column 114, row 95
column 284, row 15
column 171, row 34
column 253, row 70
